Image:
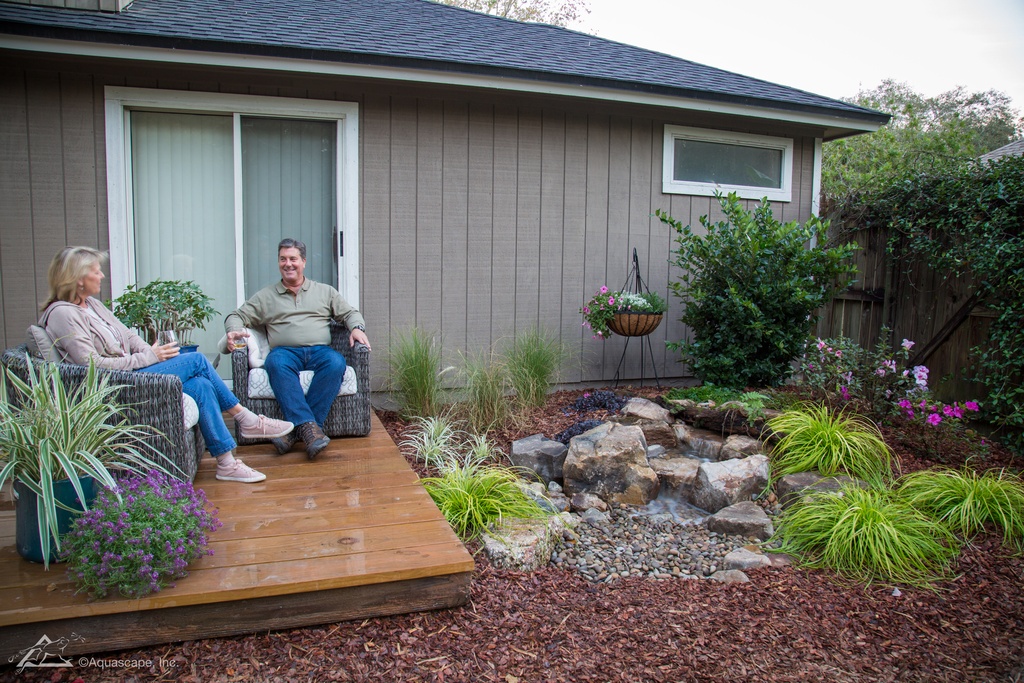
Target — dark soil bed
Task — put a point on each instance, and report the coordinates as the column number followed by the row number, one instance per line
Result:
column 787, row 624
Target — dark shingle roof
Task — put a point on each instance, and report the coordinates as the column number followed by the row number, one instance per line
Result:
column 1013, row 149
column 412, row 34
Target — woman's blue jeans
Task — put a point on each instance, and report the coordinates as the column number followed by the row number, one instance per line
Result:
column 283, row 365
column 200, row 381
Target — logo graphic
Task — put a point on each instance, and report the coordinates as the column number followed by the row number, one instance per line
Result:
column 46, row 653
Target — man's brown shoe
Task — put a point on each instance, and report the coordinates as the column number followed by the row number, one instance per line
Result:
column 314, row 438
column 283, row 444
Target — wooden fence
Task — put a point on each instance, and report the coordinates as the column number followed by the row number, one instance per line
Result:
column 940, row 313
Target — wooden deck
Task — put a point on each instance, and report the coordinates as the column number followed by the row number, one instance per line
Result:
column 348, row 536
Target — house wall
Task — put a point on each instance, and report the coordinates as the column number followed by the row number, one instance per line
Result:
column 482, row 215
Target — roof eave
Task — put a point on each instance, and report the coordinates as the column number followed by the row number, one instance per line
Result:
column 47, row 39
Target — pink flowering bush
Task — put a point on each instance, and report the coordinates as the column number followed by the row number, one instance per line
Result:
column 137, row 537
column 838, row 371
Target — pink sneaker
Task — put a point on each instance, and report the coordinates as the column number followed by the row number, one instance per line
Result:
column 267, row 428
column 239, row 471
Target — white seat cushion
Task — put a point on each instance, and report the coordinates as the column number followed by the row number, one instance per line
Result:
column 259, row 383
column 191, row 409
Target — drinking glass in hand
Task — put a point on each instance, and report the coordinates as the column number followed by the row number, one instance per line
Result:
column 165, row 337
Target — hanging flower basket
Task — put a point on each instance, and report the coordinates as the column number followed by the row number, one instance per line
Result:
column 634, row 324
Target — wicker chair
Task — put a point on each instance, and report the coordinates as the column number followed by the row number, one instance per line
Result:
column 147, row 399
column 349, row 415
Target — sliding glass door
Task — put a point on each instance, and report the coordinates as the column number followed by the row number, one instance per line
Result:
column 212, row 195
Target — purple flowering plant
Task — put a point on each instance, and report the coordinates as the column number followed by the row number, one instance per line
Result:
column 936, row 413
column 602, row 307
column 942, row 422
column 140, row 542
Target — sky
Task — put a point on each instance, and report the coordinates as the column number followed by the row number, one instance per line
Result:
column 833, row 47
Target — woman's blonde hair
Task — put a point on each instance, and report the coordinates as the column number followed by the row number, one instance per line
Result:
column 69, row 266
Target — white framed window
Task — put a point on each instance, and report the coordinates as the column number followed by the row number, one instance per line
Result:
column 700, row 161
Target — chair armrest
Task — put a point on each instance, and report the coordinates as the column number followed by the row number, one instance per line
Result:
column 354, row 355
column 240, row 374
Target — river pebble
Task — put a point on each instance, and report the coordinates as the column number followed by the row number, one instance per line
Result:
column 632, row 543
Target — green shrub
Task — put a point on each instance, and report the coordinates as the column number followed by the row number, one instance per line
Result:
column 533, row 361
column 415, row 374
column 486, row 402
column 966, row 501
column 703, row 394
column 473, row 496
column 866, row 535
column 816, row 437
column 751, row 286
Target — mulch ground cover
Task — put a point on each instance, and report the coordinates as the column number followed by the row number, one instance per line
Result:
column 787, row 624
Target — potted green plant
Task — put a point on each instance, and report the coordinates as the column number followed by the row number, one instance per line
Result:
column 56, row 446
column 630, row 314
column 178, row 305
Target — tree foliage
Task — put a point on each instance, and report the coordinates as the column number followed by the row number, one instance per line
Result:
column 557, row 12
column 926, row 134
column 751, row 286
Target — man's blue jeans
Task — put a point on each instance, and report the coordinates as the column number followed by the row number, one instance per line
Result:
column 200, row 381
column 283, row 365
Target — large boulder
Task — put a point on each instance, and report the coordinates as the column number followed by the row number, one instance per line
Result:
column 610, row 462
column 540, row 454
column 702, row 443
column 745, row 518
column 677, row 474
column 525, row 544
column 792, row 487
column 739, row 446
column 643, row 409
column 659, row 434
column 721, row 484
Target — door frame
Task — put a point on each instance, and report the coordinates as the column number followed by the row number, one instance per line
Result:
column 120, row 101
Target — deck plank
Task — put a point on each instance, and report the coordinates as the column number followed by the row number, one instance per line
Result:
column 350, row 535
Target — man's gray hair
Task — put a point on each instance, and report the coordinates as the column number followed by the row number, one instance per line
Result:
column 289, row 243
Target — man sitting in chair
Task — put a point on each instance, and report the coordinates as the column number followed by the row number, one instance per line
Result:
column 296, row 313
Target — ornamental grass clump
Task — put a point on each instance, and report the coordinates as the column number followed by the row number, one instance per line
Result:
column 533, row 361
column 815, row 437
column 435, row 440
column 485, row 402
column 966, row 501
column 415, row 374
column 867, row 535
column 473, row 493
column 138, row 543
column 473, row 496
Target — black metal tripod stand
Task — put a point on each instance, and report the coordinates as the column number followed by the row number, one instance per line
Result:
column 639, row 287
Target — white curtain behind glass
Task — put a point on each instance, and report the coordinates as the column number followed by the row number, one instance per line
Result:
column 288, row 190
column 183, row 197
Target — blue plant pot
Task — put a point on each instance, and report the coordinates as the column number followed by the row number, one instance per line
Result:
column 26, row 519
column 190, row 348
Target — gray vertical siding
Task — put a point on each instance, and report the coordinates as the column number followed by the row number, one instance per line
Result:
column 481, row 218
